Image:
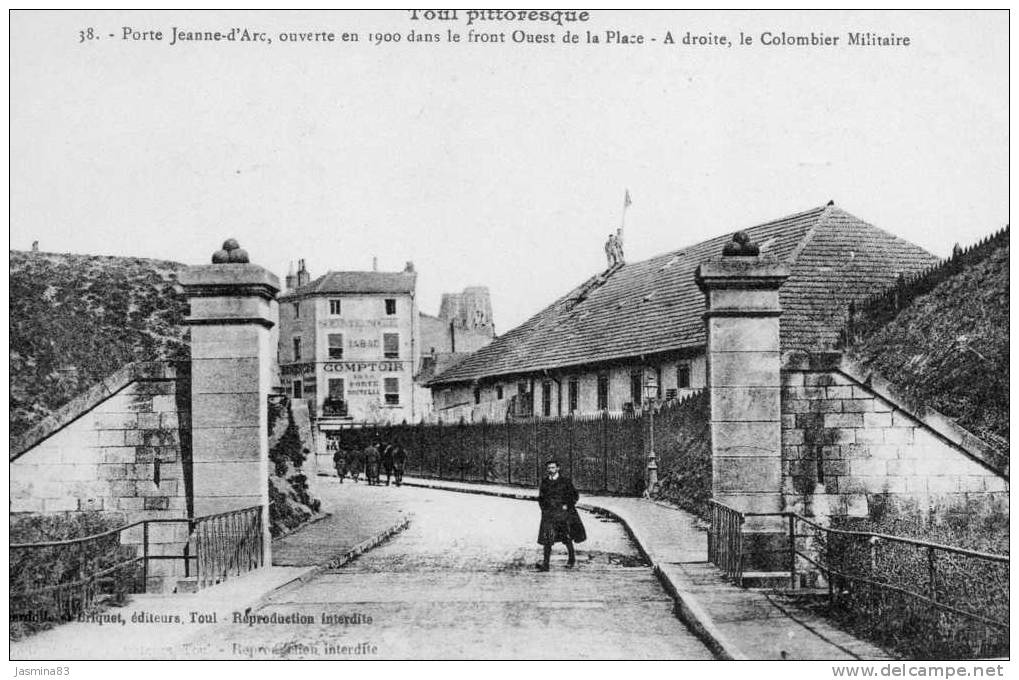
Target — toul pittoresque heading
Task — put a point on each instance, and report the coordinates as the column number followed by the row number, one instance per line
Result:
column 552, row 16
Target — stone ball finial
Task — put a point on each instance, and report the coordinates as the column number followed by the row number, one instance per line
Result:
column 741, row 246
column 230, row 253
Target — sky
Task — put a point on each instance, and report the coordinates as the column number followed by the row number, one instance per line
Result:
column 501, row 165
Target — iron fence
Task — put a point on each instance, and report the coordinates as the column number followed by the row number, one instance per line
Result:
column 57, row 581
column 227, row 544
column 604, row 452
column 926, row 599
column 63, row 580
column 725, row 540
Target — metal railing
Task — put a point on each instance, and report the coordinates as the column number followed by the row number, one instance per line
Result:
column 227, row 544
column 62, row 580
column 725, row 540
column 335, row 408
column 893, row 587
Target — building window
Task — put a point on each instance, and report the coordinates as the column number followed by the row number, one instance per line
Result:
column 683, row 376
column 297, row 310
column 334, row 307
column 574, row 395
column 336, row 388
column 603, row 392
column 391, row 387
column 546, row 398
column 390, row 306
column 477, row 395
column 336, row 345
column 636, row 385
column 498, row 391
column 297, row 349
column 391, row 345
column 298, row 392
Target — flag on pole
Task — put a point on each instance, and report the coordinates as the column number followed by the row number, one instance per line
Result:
column 626, row 204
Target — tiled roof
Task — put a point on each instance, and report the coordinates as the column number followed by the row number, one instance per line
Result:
column 655, row 306
column 434, row 364
column 357, row 282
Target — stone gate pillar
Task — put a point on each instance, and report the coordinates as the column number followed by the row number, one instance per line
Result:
column 744, row 383
column 233, row 308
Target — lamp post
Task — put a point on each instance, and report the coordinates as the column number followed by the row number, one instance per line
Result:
column 650, row 395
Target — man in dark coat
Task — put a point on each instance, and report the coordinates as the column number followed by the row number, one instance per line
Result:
column 355, row 460
column 399, row 463
column 560, row 521
column 371, row 464
column 341, row 464
column 386, row 460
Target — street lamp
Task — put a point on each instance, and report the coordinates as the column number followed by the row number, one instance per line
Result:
column 650, row 395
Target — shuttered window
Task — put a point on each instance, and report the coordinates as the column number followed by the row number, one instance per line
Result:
column 336, row 345
column 391, row 345
column 391, row 387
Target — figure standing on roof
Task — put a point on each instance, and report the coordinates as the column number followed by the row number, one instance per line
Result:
column 610, row 250
column 618, row 242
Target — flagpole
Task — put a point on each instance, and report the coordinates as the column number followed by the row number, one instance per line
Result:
column 626, row 204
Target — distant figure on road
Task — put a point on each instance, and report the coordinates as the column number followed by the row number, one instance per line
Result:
column 371, row 464
column 386, row 460
column 355, row 460
column 341, row 463
column 560, row 521
column 399, row 463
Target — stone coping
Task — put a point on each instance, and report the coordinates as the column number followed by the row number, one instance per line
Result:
column 86, row 401
column 228, row 275
column 938, row 423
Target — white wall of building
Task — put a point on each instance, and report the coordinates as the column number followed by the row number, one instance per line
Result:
column 451, row 403
column 363, row 368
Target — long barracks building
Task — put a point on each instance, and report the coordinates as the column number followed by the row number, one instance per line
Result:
column 598, row 346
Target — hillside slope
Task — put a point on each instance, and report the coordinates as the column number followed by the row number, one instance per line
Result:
column 948, row 348
column 75, row 319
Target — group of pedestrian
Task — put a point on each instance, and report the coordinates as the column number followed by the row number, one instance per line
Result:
column 375, row 459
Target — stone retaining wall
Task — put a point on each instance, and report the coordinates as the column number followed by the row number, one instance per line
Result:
column 122, row 450
column 846, row 430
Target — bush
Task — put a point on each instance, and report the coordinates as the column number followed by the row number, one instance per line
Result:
column 36, row 603
column 910, row 626
column 290, row 500
column 683, row 447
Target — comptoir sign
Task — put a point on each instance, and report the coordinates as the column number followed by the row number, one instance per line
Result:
column 363, row 366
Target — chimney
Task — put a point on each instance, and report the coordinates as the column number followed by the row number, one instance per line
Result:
column 375, row 263
column 303, row 277
column 409, row 268
column 291, row 279
column 452, row 336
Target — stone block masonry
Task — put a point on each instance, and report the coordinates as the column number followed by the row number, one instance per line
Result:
column 122, row 449
column 743, row 377
column 233, row 309
column 848, row 431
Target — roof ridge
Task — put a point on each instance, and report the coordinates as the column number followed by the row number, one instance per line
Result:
column 728, row 234
column 885, row 232
column 809, row 235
